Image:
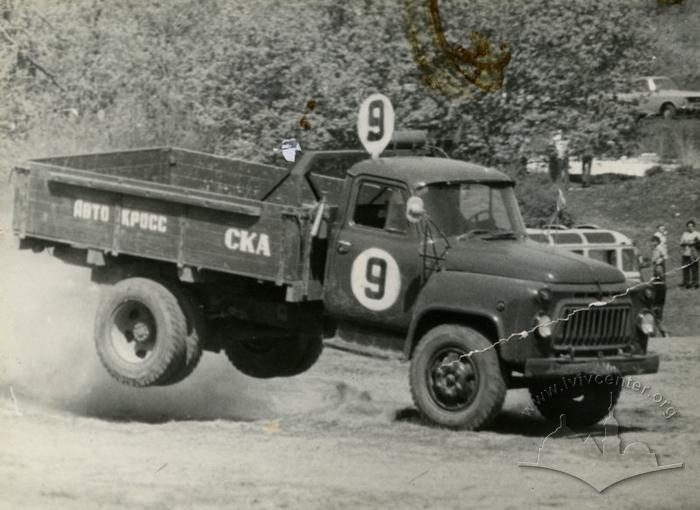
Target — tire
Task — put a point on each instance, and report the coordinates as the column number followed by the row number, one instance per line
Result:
column 265, row 358
column 668, row 111
column 440, row 370
column 196, row 334
column 583, row 405
column 310, row 348
column 140, row 332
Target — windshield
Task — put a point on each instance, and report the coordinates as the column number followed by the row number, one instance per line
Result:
column 471, row 209
column 665, row 84
column 629, row 260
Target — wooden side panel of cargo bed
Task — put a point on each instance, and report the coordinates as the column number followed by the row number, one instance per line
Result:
column 267, row 245
column 68, row 214
column 231, row 177
column 148, row 228
column 145, row 164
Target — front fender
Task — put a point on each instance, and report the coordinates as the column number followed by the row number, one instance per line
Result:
column 501, row 305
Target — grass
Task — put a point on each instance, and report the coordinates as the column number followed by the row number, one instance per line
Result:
column 677, row 139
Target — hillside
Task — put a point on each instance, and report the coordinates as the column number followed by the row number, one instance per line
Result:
column 677, row 42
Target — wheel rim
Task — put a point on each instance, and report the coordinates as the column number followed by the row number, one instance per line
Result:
column 452, row 379
column 133, row 333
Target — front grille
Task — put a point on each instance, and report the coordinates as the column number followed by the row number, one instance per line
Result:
column 590, row 328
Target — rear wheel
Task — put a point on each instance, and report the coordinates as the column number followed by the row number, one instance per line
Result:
column 456, row 379
column 583, row 405
column 140, row 332
column 310, row 349
column 266, row 357
column 197, row 330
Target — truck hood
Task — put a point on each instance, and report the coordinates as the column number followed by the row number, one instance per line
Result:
column 528, row 260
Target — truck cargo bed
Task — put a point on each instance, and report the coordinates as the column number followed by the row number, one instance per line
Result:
column 189, row 208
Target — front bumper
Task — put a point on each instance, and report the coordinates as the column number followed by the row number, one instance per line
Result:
column 540, row 368
column 689, row 106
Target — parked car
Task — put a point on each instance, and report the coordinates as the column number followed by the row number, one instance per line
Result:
column 661, row 95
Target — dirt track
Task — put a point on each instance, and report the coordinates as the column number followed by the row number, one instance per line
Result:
column 343, row 435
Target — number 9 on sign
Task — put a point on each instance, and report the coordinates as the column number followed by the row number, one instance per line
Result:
column 375, row 123
column 375, row 279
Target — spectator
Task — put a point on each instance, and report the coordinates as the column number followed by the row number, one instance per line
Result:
column 690, row 253
column 553, row 163
column 662, row 234
column 561, row 146
column 586, row 162
column 658, row 261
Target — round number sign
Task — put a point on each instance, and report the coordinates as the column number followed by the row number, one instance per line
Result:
column 375, row 279
column 375, row 123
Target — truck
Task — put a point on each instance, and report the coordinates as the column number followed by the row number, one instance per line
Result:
column 409, row 253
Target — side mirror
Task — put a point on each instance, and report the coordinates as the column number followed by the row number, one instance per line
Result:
column 415, row 209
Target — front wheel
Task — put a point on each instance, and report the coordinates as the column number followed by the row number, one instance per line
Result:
column 668, row 111
column 140, row 332
column 583, row 402
column 456, row 378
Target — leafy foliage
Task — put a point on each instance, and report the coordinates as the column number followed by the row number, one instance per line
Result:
column 233, row 77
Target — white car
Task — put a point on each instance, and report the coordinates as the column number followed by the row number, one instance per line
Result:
column 660, row 95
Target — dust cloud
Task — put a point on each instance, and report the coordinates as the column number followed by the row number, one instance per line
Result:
column 47, row 353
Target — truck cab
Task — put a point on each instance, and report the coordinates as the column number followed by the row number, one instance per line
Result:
column 469, row 298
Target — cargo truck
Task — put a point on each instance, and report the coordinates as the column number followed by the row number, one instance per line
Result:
column 423, row 256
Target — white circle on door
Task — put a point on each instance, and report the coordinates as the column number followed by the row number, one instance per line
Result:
column 375, row 279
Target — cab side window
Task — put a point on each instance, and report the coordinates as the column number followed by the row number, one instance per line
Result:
column 382, row 206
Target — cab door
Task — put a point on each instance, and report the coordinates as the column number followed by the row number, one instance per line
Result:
column 374, row 271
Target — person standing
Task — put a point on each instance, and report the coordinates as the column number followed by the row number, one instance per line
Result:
column 659, row 255
column 586, row 163
column 561, row 147
column 690, row 253
column 662, row 234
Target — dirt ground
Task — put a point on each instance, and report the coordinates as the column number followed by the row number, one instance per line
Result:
column 343, row 435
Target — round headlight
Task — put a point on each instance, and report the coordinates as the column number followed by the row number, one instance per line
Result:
column 646, row 323
column 544, row 325
column 544, row 295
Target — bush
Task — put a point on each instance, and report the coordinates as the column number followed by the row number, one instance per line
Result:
column 654, row 170
column 537, row 197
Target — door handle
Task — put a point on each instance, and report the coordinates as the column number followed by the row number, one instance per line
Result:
column 343, row 246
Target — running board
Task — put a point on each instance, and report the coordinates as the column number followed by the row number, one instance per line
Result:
column 362, row 350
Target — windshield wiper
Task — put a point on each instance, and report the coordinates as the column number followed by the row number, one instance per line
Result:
column 489, row 235
column 507, row 234
column 473, row 233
